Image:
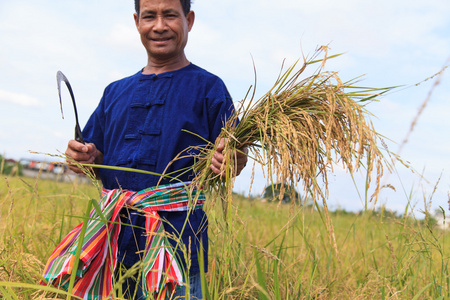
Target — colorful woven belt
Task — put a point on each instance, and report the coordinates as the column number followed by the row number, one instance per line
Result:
column 161, row 272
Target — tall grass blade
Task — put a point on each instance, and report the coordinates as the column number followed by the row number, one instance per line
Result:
column 276, row 283
column 8, row 293
column 60, row 237
column 38, row 288
column 201, row 262
column 419, row 294
column 262, row 288
column 79, row 246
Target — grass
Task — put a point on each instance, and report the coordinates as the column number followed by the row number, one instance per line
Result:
column 36, row 214
column 270, row 251
column 297, row 261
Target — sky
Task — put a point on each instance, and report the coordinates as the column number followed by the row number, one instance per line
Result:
column 391, row 43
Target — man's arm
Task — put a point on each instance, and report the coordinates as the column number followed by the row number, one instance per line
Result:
column 218, row 161
column 83, row 154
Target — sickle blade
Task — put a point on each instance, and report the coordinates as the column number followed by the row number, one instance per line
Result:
column 60, row 77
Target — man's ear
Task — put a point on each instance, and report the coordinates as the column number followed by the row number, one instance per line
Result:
column 136, row 20
column 190, row 19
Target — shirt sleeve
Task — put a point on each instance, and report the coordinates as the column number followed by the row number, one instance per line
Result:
column 220, row 110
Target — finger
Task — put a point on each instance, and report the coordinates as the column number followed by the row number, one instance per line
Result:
column 79, row 157
column 75, row 169
column 91, row 148
column 221, row 145
column 216, row 170
column 77, row 146
column 218, row 163
column 219, row 157
column 80, row 152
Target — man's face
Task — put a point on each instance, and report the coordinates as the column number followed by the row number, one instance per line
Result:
column 164, row 28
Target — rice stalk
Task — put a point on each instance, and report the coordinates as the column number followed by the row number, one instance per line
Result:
column 299, row 130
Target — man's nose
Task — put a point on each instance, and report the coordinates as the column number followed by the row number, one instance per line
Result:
column 160, row 24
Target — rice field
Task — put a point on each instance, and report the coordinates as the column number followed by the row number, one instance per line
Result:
column 257, row 250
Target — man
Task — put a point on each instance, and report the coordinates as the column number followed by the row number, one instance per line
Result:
column 144, row 121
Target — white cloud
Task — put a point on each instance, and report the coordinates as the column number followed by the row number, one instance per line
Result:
column 124, row 36
column 18, row 99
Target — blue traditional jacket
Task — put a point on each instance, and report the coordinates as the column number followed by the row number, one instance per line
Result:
column 144, row 122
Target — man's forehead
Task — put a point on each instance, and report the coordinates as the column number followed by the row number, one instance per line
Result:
column 152, row 10
column 163, row 3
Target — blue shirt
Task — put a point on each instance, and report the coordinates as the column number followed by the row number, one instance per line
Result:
column 144, row 122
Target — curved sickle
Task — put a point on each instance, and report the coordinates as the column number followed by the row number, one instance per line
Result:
column 59, row 78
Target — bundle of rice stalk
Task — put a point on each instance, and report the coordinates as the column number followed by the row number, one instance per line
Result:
column 298, row 130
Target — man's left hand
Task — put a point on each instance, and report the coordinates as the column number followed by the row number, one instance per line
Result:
column 218, row 161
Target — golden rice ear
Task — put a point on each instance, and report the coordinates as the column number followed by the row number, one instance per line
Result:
column 300, row 129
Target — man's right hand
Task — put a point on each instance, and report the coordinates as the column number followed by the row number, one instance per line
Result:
column 83, row 154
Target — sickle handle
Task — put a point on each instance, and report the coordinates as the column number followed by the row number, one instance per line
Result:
column 78, row 134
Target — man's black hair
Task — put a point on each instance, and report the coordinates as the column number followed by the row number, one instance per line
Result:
column 186, row 4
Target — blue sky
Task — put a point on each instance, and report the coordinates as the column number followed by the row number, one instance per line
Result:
column 95, row 42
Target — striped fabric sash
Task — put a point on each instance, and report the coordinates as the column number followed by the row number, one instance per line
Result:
column 161, row 272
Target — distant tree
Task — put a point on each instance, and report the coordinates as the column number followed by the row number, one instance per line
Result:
column 9, row 168
column 273, row 191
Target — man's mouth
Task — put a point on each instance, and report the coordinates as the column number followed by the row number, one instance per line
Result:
column 161, row 40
